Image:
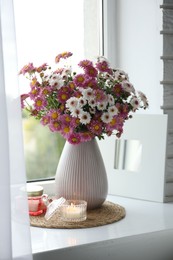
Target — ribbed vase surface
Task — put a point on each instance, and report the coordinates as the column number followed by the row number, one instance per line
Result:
column 81, row 174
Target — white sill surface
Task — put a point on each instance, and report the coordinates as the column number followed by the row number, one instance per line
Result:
column 142, row 217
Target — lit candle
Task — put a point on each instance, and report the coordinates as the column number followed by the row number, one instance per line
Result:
column 74, row 211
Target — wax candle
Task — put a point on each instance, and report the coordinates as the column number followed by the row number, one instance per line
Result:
column 73, row 211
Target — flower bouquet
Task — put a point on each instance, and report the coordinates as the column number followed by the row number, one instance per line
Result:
column 82, row 105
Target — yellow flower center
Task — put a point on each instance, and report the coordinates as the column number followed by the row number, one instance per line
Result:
column 63, row 96
column 39, row 103
column 66, row 129
column 54, row 115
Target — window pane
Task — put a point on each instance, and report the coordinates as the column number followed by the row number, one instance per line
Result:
column 45, row 28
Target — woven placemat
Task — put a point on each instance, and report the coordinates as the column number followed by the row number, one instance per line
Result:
column 108, row 213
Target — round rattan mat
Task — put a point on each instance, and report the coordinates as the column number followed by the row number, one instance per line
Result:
column 108, row 213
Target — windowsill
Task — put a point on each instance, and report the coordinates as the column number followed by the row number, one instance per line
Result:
column 144, row 221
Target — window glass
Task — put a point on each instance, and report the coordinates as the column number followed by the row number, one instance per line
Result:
column 45, row 28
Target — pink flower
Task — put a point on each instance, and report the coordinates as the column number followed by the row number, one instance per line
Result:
column 23, row 97
column 91, row 71
column 85, row 63
column 103, row 66
column 34, row 93
column 79, row 79
column 65, row 130
column 27, row 69
column 86, row 136
column 95, row 127
column 55, row 126
column 45, row 120
column 63, row 96
column 90, row 83
column 40, row 103
column 53, row 114
column 63, row 55
column 74, row 138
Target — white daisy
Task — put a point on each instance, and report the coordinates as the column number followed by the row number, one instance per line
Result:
column 111, row 100
column 92, row 102
column 113, row 110
column 102, row 105
column 56, row 81
column 85, row 117
column 92, row 110
column 82, row 102
column 88, row 93
column 106, row 117
column 72, row 103
column 143, row 98
column 128, row 87
column 134, row 102
column 120, row 74
column 76, row 112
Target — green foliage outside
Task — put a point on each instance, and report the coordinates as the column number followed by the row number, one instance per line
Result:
column 42, row 149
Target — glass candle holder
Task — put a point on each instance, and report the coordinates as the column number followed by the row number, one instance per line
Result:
column 73, row 211
column 37, row 201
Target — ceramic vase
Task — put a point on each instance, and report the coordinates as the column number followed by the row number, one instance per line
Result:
column 81, row 174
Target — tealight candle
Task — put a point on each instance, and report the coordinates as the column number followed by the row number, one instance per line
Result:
column 73, row 211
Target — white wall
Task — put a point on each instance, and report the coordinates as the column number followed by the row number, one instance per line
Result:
column 138, row 45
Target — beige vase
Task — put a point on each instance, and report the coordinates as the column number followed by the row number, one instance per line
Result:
column 81, row 174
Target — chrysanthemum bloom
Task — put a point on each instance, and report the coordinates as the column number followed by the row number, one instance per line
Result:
column 45, row 91
column 53, row 114
column 23, row 97
column 85, row 63
column 96, row 127
column 91, row 71
column 63, row 55
column 27, row 69
column 86, row 136
column 90, row 83
column 111, row 100
column 63, row 96
column 41, row 68
column 79, row 79
column 128, row 87
column 34, row 93
column 82, row 102
column 120, row 75
column 113, row 110
column 55, row 126
column 100, row 95
column 134, row 102
column 143, row 98
column 65, row 130
column 75, row 112
column 103, row 66
column 102, row 105
column 65, row 118
column 56, row 81
column 92, row 102
column 88, row 93
column 85, row 117
column 72, row 103
column 106, row 117
column 117, row 89
column 40, row 103
column 45, row 120
column 74, row 138
column 113, row 124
